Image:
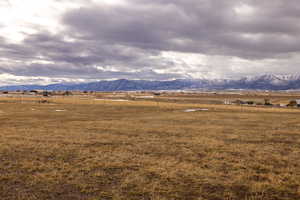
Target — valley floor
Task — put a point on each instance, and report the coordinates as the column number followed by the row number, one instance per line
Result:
column 72, row 148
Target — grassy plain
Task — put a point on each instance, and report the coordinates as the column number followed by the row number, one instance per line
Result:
column 81, row 148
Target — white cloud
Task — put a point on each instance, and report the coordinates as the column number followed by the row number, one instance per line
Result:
column 244, row 9
column 21, row 17
column 217, row 39
column 110, row 2
column 9, row 79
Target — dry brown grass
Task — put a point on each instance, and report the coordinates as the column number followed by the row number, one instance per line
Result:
column 147, row 150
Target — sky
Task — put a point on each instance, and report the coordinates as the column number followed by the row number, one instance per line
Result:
column 52, row 41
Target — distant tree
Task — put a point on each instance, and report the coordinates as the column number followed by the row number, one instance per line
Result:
column 46, row 93
column 43, row 101
column 250, row 102
column 268, row 102
column 67, row 93
column 293, row 103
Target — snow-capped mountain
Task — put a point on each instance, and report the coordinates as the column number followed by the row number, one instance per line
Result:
column 264, row 82
column 269, row 82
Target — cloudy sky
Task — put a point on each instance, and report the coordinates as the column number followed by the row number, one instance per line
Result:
column 48, row 41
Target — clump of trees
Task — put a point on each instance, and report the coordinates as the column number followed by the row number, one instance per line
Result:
column 293, row 103
column 67, row 93
column 46, row 93
column 268, row 102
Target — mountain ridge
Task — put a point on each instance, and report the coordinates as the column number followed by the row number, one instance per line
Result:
column 263, row 82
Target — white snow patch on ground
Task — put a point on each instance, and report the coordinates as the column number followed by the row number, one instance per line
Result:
column 144, row 97
column 195, row 110
column 111, row 99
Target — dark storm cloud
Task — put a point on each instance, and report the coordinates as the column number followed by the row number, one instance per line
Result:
column 54, row 48
column 199, row 26
column 84, row 59
column 100, row 41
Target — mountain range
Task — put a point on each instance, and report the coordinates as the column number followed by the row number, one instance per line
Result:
column 264, row 82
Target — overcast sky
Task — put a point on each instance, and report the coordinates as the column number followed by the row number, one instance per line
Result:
column 47, row 41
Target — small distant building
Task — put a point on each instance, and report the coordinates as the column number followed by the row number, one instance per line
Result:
column 227, row 102
column 282, row 105
column 268, row 102
column 33, row 92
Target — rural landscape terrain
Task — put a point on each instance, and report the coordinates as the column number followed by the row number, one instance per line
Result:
column 149, row 146
column 149, row 100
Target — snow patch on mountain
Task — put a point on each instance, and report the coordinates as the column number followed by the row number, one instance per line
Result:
column 263, row 82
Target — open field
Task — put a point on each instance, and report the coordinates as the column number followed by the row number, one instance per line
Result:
column 78, row 147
